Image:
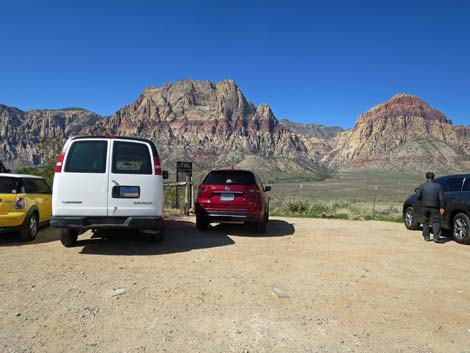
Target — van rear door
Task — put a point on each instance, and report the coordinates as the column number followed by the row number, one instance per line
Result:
column 132, row 184
column 81, row 188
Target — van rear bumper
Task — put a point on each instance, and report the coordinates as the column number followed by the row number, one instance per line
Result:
column 90, row 222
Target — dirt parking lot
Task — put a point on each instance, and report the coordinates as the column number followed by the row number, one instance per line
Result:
column 309, row 285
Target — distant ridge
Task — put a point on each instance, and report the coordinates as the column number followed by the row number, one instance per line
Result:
column 214, row 124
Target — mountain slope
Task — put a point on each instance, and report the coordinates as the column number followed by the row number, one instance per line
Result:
column 212, row 124
column 215, row 125
column 403, row 133
column 21, row 132
column 313, row 130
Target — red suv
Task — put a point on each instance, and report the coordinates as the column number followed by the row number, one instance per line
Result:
column 232, row 196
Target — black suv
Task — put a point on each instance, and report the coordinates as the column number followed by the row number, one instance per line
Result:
column 456, row 189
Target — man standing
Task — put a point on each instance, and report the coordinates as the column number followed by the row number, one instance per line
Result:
column 432, row 203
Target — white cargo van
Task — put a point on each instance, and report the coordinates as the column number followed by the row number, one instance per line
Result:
column 103, row 183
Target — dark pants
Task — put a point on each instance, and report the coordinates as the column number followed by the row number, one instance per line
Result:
column 433, row 214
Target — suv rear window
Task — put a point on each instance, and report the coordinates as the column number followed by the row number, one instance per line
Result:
column 87, row 157
column 466, row 185
column 229, row 177
column 453, row 184
column 131, row 158
column 9, row 185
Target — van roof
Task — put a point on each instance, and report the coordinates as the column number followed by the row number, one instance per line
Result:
column 20, row 176
column 152, row 145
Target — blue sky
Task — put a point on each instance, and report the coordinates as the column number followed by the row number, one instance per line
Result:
column 324, row 62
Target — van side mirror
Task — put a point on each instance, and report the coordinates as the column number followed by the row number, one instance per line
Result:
column 165, row 174
column 267, row 188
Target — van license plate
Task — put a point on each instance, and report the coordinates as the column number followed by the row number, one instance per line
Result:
column 227, row 197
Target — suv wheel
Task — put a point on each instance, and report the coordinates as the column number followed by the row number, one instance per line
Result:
column 410, row 219
column 261, row 226
column 30, row 228
column 68, row 237
column 202, row 223
column 461, row 230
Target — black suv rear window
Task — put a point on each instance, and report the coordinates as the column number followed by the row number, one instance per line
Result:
column 453, row 184
column 87, row 157
column 466, row 185
column 9, row 185
column 229, row 177
column 131, row 158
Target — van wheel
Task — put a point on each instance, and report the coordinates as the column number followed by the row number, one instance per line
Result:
column 461, row 229
column 68, row 237
column 410, row 219
column 30, row 227
column 159, row 236
column 202, row 223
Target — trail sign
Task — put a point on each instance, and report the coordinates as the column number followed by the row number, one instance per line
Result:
column 184, row 167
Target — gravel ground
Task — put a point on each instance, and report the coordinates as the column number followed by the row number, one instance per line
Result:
column 308, row 285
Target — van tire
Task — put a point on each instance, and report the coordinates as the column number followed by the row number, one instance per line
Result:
column 68, row 237
column 30, row 227
column 159, row 236
column 202, row 223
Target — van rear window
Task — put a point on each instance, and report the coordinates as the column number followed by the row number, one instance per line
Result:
column 131, row 158
column 229, row 177
column 87, row 157
column 9, row 185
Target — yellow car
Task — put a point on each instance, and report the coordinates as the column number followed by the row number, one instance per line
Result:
column 25, row 204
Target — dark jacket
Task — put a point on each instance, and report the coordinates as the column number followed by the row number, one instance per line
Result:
column 430, row 195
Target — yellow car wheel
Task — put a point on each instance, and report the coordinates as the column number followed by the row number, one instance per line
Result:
column 30, row 227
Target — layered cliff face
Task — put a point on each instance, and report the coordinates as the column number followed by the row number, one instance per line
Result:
column 22, row 132
column 207, row 122
column 214, row 125
column 403, row 133
column 463, row 137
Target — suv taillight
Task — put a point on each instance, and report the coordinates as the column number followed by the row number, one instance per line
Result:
column 253, row 191
column 58, row 165
column 204, row 188
column 158, row 168
column 20, row 203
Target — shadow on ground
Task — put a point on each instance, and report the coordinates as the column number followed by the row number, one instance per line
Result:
column 45, row 235
column 276, row 228
column 181, row 236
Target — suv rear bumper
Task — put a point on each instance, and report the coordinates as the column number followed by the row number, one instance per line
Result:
column 90, row 222
column 229, row 215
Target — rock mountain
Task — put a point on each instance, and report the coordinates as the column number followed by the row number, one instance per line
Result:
column 214, row 124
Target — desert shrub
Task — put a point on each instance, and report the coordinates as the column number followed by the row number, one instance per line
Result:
column 294, row 205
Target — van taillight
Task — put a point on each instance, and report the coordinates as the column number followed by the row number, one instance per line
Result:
column 58, row 165
column 20, row 203
column 156, row 162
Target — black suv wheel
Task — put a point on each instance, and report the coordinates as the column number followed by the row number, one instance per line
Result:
column 410, row 219
column 461, row 228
